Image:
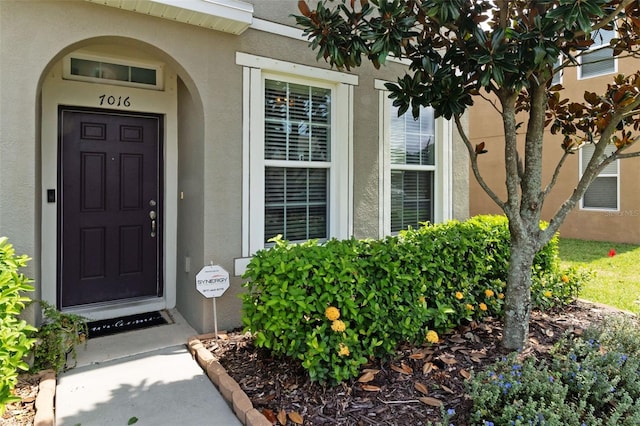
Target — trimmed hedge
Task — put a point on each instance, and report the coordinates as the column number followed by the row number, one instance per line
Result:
column 385, row 291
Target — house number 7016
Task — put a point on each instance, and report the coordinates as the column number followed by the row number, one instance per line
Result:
column 114, row 100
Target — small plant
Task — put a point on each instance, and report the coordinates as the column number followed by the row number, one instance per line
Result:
column 15, row 342
column 551, row 289
column 57, row 338
column 586, row 382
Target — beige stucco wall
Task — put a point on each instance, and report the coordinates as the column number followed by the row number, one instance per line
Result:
column 620, row 226
column 36, row 34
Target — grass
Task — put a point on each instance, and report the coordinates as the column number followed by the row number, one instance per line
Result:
column 617, row 278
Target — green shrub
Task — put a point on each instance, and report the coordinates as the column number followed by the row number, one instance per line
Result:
column 57, row 338
column 584, row 383
column 14, row 332
column 387, row 291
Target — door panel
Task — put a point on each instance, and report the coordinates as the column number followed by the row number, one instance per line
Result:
column 110, row 167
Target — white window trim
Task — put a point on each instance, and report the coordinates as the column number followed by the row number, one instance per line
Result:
column 616, row 175
column 592, row 48
column 560, row 73
column 443, row 201
column 256, row 70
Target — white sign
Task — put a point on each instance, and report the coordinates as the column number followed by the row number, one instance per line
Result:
column 212, row 281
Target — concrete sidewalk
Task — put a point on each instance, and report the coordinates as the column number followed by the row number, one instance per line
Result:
column 141, row 374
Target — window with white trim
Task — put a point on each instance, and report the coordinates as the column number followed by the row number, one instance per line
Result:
column 598, row 60
column 297, row 142
column 603, row 193
column 412, row 148
column 415, row 168
column 297, row 174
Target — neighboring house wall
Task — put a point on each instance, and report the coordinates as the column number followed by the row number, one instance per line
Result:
column 210, row 95
column 607, row 222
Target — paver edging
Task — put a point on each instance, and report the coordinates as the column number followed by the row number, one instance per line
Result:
column 45, row 398
column 228, row 387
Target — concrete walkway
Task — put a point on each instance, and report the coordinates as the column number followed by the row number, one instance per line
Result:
column 147, row 374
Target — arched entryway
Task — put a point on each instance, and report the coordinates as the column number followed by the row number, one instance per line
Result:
column 110, row 149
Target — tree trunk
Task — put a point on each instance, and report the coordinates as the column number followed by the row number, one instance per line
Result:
column 518, row 295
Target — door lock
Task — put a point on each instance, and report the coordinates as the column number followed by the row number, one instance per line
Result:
column 152, row 216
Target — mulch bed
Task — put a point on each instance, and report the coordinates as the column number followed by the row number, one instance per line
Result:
column 396, row 392
column 22, row 413
column 403, row 391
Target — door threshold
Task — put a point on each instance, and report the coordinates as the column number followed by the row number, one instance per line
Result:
column 115, row 310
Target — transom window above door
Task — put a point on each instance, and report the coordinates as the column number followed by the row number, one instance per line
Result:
column 93, row 68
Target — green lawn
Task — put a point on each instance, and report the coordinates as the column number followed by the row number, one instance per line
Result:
column 617, row 278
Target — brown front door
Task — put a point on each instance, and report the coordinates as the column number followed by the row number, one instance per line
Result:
column 110, row 210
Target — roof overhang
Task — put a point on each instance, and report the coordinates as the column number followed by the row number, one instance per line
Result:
column 229, row 16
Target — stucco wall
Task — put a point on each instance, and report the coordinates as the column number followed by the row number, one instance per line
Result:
column 615, row 226
column 36, row 34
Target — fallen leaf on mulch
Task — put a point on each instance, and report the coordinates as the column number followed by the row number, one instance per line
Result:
column 431, row 401
column 296, row 418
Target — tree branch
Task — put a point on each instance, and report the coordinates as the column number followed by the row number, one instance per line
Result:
column 532, row 180
column 596, row 164
column 613, row 15
column 474, row 164
column 554, row 179
column 628, row 155
column 492, row 102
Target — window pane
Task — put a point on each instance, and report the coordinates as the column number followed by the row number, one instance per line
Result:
column 143, row 75
column 114, row 71
column 85, row 68
column 601, row 61
column 587, row 152
column 297, row 121
column 557, row 78
column 275, row 105
column 597, row 63
column 412, row 141
column 411, row 198
column 602, row 193
column 296, row 203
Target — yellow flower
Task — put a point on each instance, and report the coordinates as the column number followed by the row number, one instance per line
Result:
column 338, row 326
column 422, row 299
column 483, row 307
column 548, row 293
column 488, row 292
column 432, row 337
column 469, row 307
column 565, row 279
column 332, row 313
column 501, row 296
column 344, row 350
column 459, row 295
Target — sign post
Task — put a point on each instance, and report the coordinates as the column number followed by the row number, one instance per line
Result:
column 212, row 281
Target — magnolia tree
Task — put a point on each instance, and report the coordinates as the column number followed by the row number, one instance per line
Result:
column 506, row 53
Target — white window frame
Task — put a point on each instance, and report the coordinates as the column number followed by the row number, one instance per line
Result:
column 256, row 70
column 557, row 78
column 158, row 67
column 442, row 193
column 593, row 47
column 582, row 163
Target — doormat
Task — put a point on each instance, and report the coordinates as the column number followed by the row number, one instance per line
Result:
column 128, row 323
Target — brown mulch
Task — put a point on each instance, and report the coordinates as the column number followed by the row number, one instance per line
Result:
column 403, row 391
column 22, row 413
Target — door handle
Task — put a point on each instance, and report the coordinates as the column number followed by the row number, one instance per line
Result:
column 152, row 216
